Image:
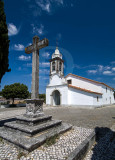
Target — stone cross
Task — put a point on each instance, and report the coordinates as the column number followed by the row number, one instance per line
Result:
column 34, row 49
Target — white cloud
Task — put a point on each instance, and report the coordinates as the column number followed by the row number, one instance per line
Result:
column 92, row 71
column 45, row 54
column 113, row 62
column 44, row 71
column 45, row 64
column 18, row 47
column 19, row 68
column 100, row 68
column 107, row 73
column 59, row 36
column 24, row 58
column 42, row 64
column 107, row 67
column 38, row 30
column 29, row 65
column 48, row 5
column 12, row 29
column 29, row 44
column 113, row 68
column 44, row 5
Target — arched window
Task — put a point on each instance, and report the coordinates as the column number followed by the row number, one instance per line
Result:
column 53, row 66
column 60, row 64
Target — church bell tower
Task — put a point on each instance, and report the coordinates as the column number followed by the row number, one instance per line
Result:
column 56, row 64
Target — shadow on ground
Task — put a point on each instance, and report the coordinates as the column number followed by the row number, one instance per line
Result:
column 6, row 120
column 104, row 148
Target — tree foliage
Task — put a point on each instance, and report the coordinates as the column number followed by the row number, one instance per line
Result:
column 4, row 42
column 43, row 96
column 15, row 90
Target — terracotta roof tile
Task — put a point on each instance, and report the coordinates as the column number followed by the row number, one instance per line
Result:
column 89, row 80
column 83, row 89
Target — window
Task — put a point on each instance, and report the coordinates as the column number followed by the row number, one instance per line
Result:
column 106, row 89
column 69, row 81
column 60, row 64
column 97, row 99
column 53, row 66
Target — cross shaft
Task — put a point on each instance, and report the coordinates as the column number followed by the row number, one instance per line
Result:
column 34, row 49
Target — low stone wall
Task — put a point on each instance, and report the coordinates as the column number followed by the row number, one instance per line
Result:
column 80, row 152
column 9, row 105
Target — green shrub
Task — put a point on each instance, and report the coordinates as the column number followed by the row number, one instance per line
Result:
column 1, row 140
column 52, row 140
column 20, row 154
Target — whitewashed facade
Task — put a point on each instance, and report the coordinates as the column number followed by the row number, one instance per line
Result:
column 74, row 90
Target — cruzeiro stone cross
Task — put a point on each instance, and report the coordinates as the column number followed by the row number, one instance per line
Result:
column 34, row 105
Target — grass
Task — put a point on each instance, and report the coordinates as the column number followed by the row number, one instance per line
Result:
column 52, row 140
column 20, row 154
column 1, row 140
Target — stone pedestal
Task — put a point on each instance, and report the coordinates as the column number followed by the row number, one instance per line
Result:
column 34, row 108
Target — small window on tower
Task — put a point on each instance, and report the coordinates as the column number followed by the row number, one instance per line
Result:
column 106, row 89
column 53, row 66
column 69, row 81
column 60, row 64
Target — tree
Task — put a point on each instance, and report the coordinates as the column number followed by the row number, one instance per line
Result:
column 15, row 90
column 4, row 43
column 43, row 96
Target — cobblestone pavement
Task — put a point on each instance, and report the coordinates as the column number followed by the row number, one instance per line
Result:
column 102, row 119
column 87, row 118
column 65, row 144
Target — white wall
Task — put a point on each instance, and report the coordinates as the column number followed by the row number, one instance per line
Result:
column 107, row 95
column 56, row 80
column 63, row 89
column 77, row 97
column 97, row 102
column 79, row 82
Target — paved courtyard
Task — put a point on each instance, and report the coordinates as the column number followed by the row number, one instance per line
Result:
column 100, row 119
column 87, row 118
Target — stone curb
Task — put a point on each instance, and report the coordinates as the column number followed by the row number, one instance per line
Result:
column 80, row 152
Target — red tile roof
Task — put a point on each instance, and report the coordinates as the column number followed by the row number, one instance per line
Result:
column 70, row 74
column 83, row 89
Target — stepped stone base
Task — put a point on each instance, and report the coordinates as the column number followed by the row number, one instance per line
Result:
column 30, row 143
column 29, row 133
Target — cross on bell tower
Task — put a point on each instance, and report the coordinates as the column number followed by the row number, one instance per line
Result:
column 56, row 63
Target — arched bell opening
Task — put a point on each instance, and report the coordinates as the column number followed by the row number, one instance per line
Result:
column 60, row 66
column 53, row 66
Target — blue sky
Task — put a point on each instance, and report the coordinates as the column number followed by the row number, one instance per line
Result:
column 83, row 29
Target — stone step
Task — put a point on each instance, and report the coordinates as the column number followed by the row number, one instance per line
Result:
column 31, row 143
column 31, row 130
column 32, row 121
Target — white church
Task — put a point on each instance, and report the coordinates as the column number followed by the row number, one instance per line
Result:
column 74, row 90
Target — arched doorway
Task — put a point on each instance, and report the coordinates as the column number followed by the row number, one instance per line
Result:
column 56, row 98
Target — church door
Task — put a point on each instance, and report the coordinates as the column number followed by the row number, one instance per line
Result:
column 56, row 98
